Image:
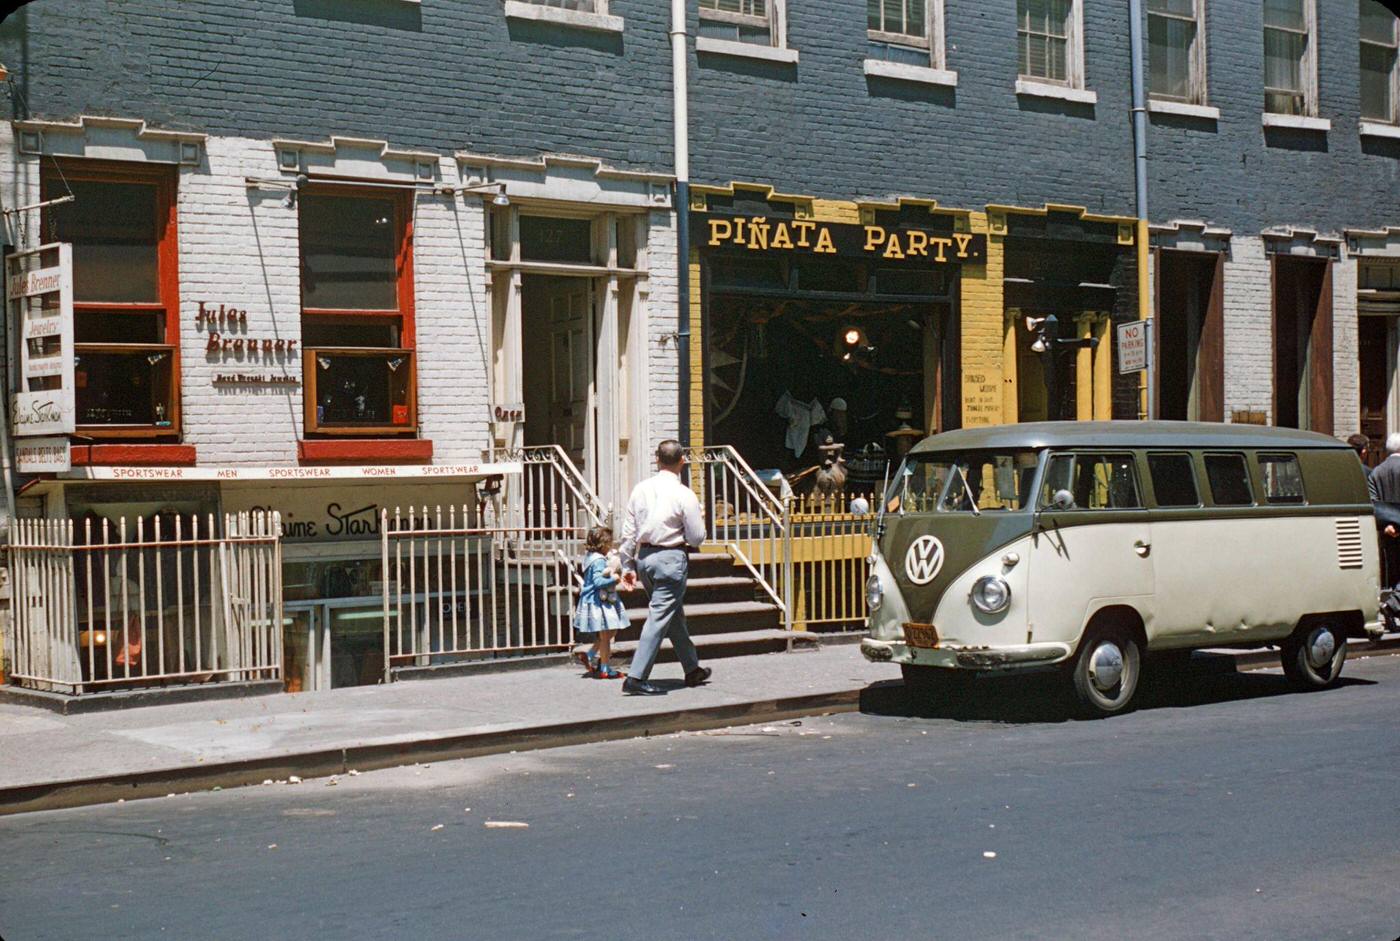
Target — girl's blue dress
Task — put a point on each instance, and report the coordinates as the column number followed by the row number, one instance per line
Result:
column 599, row 608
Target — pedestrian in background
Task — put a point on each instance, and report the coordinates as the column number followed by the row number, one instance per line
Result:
column 662, row 526
column 1362, row 446
column 600, row 613
column 1384, row 484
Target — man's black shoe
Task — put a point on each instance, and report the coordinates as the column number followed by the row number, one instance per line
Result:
column 697, row 676
column 632, row 687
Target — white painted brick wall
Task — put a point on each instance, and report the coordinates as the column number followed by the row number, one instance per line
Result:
column 663, row 381
column 1346, row 371
column 1248, row 328
column 453, row 317
column 238, row 247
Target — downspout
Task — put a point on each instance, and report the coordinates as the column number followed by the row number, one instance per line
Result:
column 1140, row 179
column 681, row 122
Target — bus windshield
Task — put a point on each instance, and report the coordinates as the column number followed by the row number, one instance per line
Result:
column 963, row 482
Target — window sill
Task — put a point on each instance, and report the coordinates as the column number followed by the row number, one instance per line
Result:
column 904, row 72
column 1296, row 122
column 134, row 455
column 1377, row 129
column 364, row 451
column 578, row 19
column 745, row 50
column 1181, row 109
column 1080, row 96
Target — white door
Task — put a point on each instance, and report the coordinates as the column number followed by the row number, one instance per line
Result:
column 1093, row 554
column 571, row 368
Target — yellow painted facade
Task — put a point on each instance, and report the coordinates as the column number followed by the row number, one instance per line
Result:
column 989, row 355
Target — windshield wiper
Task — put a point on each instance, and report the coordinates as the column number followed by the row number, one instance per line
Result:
column 967, row 489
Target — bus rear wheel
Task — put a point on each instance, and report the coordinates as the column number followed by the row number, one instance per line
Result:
column 1313, row 656
column 1106, row 672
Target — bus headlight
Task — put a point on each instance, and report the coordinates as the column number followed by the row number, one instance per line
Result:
column 874, row 593
column 991, row 594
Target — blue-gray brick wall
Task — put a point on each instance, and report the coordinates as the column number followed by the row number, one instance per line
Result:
column 440, row 75
column 822, row 127
column 449, row 74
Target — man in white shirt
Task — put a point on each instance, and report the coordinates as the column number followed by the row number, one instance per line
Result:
column 662, row 526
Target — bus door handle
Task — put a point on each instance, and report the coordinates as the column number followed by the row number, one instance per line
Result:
column 1142, row 548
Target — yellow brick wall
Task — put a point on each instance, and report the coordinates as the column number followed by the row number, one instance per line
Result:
column 697, row 344
column 982, row 332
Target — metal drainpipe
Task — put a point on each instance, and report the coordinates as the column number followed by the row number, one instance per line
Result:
column 681, row 122
column 1140, row 179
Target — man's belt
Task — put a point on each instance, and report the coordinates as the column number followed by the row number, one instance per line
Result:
column 652, row 545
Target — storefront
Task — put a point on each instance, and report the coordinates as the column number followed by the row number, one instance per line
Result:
column 817, row 328
column 878, row 323
column 332, row 576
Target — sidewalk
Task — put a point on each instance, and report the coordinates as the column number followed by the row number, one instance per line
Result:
column 49, row 760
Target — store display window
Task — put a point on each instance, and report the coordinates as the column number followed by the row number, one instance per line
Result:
column 121, row 224
column 357, row 311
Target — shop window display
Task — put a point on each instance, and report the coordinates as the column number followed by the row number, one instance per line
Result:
column 121, row 223
column 357, row 317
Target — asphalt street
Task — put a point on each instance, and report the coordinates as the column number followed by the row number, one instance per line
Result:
column 1225, row 807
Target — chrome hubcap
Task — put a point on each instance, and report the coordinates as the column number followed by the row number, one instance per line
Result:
column 1106, row 667
column 1322, row 646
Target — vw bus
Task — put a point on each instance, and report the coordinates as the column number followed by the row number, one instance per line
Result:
column 1083, row 546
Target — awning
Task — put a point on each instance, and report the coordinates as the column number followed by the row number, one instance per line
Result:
column 416, row 472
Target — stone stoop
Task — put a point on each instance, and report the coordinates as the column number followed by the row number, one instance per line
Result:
column 727, row 611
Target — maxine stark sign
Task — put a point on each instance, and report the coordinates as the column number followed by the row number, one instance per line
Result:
column 39, row 292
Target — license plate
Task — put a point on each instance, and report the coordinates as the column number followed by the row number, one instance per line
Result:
column 920, row 635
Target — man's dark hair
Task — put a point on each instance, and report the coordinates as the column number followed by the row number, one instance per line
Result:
column 1359, row 443
column 669, row 453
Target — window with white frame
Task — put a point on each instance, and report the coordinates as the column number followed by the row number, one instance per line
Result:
column 750, row 21
column 906, row 31
column 1048, row 41
column 1176, row 50
column 1380, row 78
column 1290, row 66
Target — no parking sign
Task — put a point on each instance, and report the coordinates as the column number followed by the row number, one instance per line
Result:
column 1132, row 346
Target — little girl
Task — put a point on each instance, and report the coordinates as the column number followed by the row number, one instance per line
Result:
column 600, row 613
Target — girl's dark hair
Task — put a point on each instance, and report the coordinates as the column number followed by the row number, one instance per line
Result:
column 599, row 540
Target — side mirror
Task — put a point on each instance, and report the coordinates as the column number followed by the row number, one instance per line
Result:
column 1062, row 500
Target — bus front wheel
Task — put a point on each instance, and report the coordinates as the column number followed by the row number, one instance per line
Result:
column 1106, row 672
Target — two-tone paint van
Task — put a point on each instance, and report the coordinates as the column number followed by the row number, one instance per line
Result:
column 1085, row 545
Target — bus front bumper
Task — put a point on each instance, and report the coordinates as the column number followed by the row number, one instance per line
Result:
column 954, row 657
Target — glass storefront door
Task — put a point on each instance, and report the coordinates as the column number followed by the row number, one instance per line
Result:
column 330, row 644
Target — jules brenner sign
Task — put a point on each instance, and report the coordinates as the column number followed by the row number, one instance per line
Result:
column 39, row 295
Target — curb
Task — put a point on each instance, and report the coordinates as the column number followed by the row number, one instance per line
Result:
column 320, row 763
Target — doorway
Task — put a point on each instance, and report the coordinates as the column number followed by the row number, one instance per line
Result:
column 559, row 351
column 1375, row 340
column 1190, row 336
column 1303, row 343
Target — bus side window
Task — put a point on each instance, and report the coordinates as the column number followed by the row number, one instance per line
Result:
column 1173, row 478
column 1283, row 479
column 1229, row 479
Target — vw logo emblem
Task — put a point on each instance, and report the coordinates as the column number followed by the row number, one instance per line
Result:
column 924, row 560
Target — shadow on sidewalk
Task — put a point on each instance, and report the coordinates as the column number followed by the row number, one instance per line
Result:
column 1046, row 697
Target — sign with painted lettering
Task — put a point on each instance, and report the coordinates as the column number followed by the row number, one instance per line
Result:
column 842, row 240
column 511, row 412
column 43, row 455
column 347, row 511
column 39, row 294
column 1132, row 346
